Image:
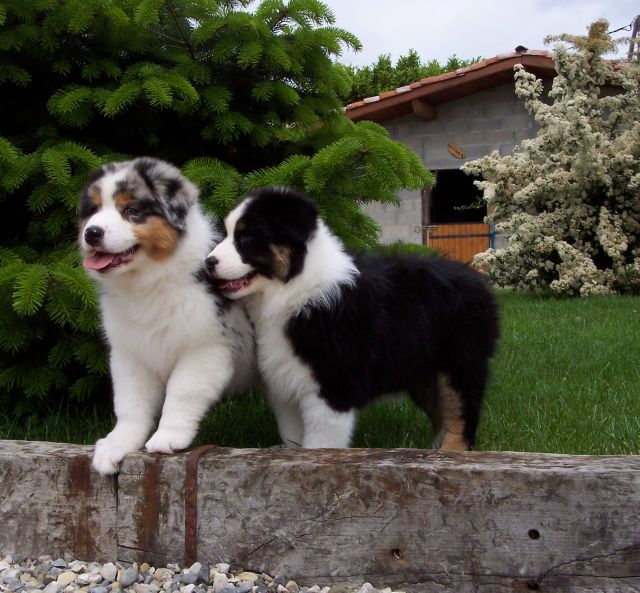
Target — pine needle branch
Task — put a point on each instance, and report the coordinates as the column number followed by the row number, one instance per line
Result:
column 176, row 20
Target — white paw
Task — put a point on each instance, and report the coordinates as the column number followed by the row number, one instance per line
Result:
column 109, row 452
column 169, row 440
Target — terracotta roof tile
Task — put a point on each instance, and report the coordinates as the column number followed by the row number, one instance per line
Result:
column 434, row 80
column 391, row 93
column 356, row 104
column 465, row 69
column 510, row 54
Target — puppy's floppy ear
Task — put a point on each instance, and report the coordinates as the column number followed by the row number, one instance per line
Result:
column 301, row 213
column 290, row 211
column 173, row 191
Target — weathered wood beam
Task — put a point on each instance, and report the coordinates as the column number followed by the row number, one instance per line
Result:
column 51, row 501
column 417, row 520
column 424, row 110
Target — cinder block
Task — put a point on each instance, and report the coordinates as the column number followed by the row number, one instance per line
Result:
column 484, row 124
column 516, row 122
column 500, row 108
column 498, row 136
column 409, row 217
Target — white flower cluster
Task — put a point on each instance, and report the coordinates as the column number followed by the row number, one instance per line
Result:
column 569, row 199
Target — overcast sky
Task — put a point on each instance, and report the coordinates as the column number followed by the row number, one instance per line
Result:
column 468, row 28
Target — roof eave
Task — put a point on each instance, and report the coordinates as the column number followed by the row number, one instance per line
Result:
column 453, row 85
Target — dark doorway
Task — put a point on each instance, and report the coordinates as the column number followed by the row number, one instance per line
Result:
column 452, row 198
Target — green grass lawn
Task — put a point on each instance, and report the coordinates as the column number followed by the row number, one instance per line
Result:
column 566, row 379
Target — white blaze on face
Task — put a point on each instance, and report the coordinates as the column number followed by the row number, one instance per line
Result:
column 230, row 264
column 118, row 233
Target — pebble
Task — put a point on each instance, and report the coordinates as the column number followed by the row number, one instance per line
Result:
column 64, row 578
column 163, row 574
column 189, row 579
column 219, row 581
column 247, row 576
column 13, row 584
column 70, row 575
column 14, row 573
column 77, row 566
column 222, row 567
column 52, row 587
column 129, row 576
column 109, row 572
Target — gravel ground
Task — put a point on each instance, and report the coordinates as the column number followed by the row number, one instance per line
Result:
column 65, row 575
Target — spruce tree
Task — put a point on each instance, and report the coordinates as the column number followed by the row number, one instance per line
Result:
column 239, row 95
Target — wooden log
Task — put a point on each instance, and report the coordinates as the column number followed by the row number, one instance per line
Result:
column 51, row 502
column 151, row 515
column 421, row 521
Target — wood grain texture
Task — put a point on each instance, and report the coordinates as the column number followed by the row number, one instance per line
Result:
column 422, row 521
column 459, row 241
column 411, row 517
column 52, row 502
column 151, row 508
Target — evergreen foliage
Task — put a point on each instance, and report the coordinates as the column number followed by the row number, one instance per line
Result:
column 382, row 76
column 237, row 95
column 570, row 198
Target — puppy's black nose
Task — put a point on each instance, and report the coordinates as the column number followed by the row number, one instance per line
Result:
column 93, row 235
column 211, row 262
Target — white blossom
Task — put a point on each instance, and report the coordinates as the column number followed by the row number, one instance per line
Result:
column 569, row 199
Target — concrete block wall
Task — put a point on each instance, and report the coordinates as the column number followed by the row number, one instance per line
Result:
column 402, row 223
column 494, row 119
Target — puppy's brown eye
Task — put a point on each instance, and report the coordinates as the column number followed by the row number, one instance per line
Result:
column 130, row 211
column 245, row 238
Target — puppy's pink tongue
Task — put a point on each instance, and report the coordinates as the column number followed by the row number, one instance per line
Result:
column 97, row 261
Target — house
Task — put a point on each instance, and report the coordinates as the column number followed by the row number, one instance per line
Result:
column 447, row 120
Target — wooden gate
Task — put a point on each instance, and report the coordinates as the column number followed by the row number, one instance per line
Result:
column 459, row 241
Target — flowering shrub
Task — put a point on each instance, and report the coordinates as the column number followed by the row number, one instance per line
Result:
column 569, row 199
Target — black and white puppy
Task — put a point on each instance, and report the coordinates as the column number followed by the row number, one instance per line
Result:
column 334, row 331
column 175, row 344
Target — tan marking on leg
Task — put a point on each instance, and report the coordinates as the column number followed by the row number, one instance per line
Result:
column 426, row 398
column 281, row 260
column 156, row 237
column 452, row 419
